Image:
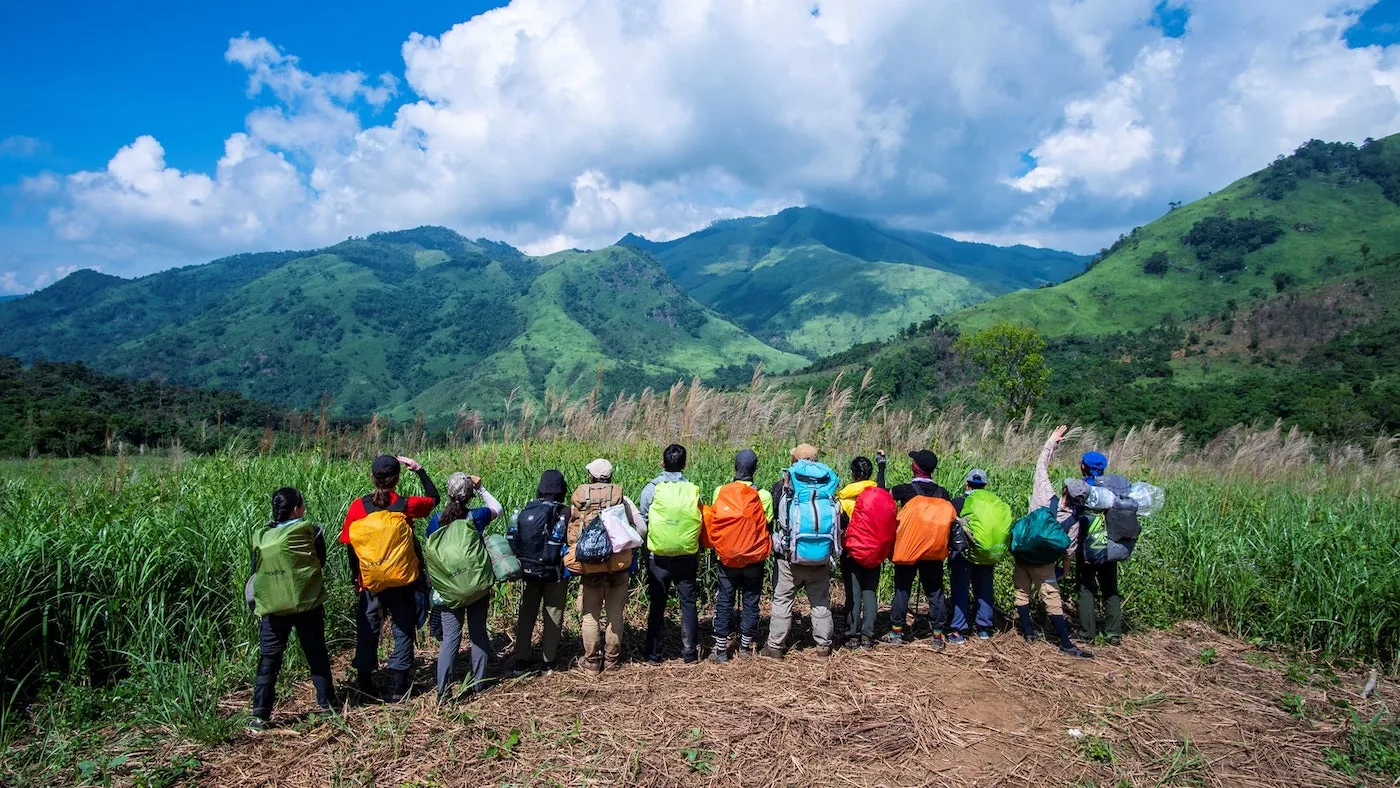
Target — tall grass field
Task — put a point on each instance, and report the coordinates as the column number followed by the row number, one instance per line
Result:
column 121, row 583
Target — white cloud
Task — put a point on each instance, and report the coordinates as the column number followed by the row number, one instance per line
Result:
column 552, row 123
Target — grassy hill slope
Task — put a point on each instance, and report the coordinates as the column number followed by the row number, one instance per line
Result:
column 1274, row 298
column 815, row 282
column 421, row 316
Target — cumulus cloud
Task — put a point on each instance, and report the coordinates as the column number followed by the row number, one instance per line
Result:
column 19, row 146
column 554, row 123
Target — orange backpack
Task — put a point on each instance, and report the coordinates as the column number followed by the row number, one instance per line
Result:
column 922, row 534
column 736, row 526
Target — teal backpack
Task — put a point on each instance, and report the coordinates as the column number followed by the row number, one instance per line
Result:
column 813, row 515
column 459, row 564
column 1038, row 539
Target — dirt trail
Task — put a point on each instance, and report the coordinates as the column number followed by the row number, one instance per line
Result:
column 1152, row 712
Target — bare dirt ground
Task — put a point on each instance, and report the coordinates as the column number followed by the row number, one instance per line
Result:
column 1185, row 707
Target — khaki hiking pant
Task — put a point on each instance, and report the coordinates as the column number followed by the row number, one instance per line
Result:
column 600, row 596
column 550, row 597
column 789, row 579
column 1027, row 576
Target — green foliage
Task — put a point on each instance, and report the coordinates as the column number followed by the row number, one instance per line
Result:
column 1012, row 363
column 1097, row 749
column 1373, row 747
column 1223, row 242
column 1207, row 656
column 1157, row 263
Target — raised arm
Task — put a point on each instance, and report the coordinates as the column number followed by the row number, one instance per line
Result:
column 1043, row 491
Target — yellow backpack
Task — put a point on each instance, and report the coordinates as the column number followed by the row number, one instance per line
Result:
column 383, row 544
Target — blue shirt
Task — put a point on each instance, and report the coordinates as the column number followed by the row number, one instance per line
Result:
column 480, row 517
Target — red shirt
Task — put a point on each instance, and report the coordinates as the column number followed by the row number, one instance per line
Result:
column 418, row 506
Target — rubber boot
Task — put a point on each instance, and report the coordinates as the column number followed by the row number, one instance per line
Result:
column 400, row 685
column 1027, row 628
column 1113, row 627
column 1088, row 625
column 1067, row 646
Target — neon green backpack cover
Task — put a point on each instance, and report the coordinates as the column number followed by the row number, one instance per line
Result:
column 289, row 578
column 459, row 564
column 673, row 521
column 988, row 527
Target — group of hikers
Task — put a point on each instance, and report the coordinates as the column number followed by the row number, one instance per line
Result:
column 807, row 522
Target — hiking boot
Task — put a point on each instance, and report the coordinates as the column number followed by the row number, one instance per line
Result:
column 748, row 652
column 956, row 638
column 850, row 641
column 691, row 658
column 1075, row 651
column 364, row 684
column 1030, row 637
column 771, row 653
column 402, row 684
column 257, row 724
column 591, row 666
column 548, row 666
column 937, row 643
column 720, row 656
column 1115, row 640
column 866, row 643
column 521, row 668
column 984, row 634
column 892, row 639
column 823, row 651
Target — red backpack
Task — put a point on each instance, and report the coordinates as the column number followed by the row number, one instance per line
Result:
column 870, row 535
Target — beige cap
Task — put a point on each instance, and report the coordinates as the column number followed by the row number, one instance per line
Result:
column 600, row 469
column 803, row 451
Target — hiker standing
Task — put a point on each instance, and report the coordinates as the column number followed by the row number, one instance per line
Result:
column 288, row 591
column 538, row 539
column 920, row 548
column 602, row 591
column 986, row 521
column 868, row 514
column 1097, row 578
column 805, row 539
column 1027, row 576
column 386, row 563
column 670, row 505
column 736, row 526
column 465, row 561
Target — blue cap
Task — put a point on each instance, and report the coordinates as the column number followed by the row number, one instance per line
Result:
column 1094, row 462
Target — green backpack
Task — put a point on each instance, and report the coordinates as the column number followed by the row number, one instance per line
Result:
column 673, row 521
column 988, row 527
column 459, row 565
column 289, row 577
column 1038, row 539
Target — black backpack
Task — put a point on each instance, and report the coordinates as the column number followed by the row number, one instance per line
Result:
column 539, row 540
column 1121, row 521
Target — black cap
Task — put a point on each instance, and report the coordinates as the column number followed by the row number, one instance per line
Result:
column 551, row 483
column 745, row 464
column 384, row 466
column 925, row 459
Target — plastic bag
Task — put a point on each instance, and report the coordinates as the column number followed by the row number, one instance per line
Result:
column 620, row 530
column 1100, row 499
column 1148, row 497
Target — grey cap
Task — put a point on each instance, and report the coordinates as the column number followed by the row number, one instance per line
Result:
column 1077, row 490
column 977, row 476
column 459, row 487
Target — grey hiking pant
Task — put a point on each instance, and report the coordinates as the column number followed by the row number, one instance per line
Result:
column 789, row 578
column 473, row 616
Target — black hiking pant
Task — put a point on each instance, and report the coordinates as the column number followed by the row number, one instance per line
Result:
column 399, row 606
column 273, row 634
column 664, row 572
column 930, row 576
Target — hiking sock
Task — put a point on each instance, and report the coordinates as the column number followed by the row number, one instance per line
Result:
column 1113, row 626
column 1023, row 612
column 1088, row 626
column 1062, row 630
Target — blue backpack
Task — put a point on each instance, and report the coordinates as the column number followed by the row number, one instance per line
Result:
column 813, row 515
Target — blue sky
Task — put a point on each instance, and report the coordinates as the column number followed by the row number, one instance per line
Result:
column 157, row 134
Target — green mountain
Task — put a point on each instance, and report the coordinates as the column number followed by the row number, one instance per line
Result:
column 1274, row 298
column 418, row 319
column 814, row 282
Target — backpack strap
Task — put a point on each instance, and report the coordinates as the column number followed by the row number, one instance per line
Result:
column 400, row 504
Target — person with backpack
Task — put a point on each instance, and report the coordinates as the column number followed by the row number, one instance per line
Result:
column 920, row 548
column 602, row 588
column 805, row 539
column 736, row 527
column 538, row 538
column 1094, row 574
column 868, row 516
column 986, row 521
column 1059, row 512
column 460, row 569
column 670, row 505
column 287, row 591
column 386, row 564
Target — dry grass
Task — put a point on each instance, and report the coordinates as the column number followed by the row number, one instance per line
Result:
column 981, row 714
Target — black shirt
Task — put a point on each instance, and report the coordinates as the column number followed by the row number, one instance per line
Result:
column 903, row 493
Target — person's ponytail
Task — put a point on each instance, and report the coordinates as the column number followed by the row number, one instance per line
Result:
column 284, row 503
